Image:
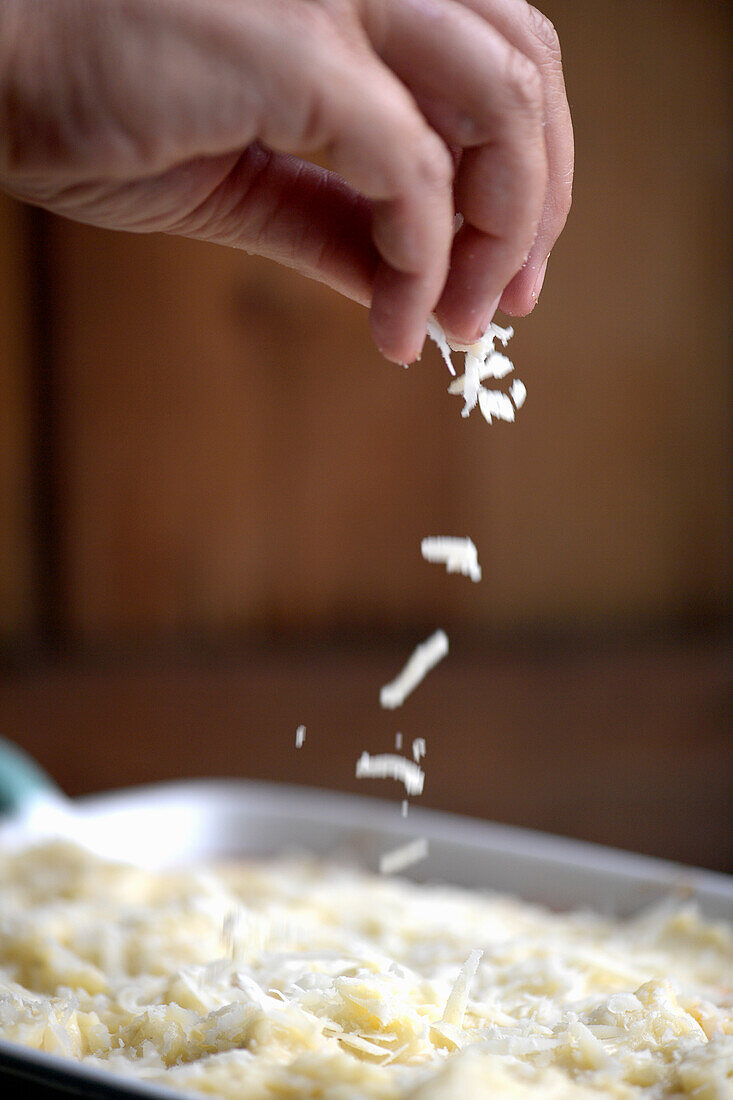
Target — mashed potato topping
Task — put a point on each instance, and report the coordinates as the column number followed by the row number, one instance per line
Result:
column 302, row 980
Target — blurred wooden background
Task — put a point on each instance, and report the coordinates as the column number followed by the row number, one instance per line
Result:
column 213, row 490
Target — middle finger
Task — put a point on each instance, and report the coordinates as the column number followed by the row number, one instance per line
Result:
column 483, row 95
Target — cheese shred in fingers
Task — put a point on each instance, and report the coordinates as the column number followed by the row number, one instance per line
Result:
column 481, row 361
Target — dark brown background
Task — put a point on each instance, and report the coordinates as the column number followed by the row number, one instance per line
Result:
column 213, row 490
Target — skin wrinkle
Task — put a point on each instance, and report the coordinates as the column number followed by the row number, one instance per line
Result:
column 544, row 29
column 204, row 227
column 329, row 251
column 266, row 214
column 323, row 246
column 200, row 218
column 276, row 207
column 522, row 79
column 118, row 197
column 96, row 141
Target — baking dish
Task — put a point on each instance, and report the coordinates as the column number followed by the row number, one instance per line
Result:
column 192, row 821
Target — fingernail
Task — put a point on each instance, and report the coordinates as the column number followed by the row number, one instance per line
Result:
column 415, row 356
column 402, row 360
column 539, row 281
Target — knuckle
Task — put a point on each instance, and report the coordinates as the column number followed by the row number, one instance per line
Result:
column 319, row 23
column 344, row 9
column 523, row 81
column 544, row 29
column 329, row 10
column 324, row 25
column 433, row 163
column 339, row 20
column 312, row 125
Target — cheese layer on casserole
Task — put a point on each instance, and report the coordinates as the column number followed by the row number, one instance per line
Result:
column 302, row 980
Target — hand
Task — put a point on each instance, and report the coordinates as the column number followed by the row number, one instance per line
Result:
column 190, row 116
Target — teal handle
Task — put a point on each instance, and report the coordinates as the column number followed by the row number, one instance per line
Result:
column 22, row 780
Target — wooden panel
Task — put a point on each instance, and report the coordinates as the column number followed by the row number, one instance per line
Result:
column 230, row 439
column 627, row 745
column 611, row 494
column 237, row 455
column 16, row 603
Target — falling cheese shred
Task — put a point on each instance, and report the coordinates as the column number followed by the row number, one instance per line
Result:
column 388, row 765
column 399, row 859
column 297, row 980
column 425, row 657
column 459, row 555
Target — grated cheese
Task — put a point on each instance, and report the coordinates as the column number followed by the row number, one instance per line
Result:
column 455, row 1008
column 437, row 335
column 496, row 405
column 300, row 737
column 334, row 984
column 481, row 361
column 518, row 393
column 399, row 859
column 425, row 657
column 458, row 554
column 418, row 749
column 388, row 765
